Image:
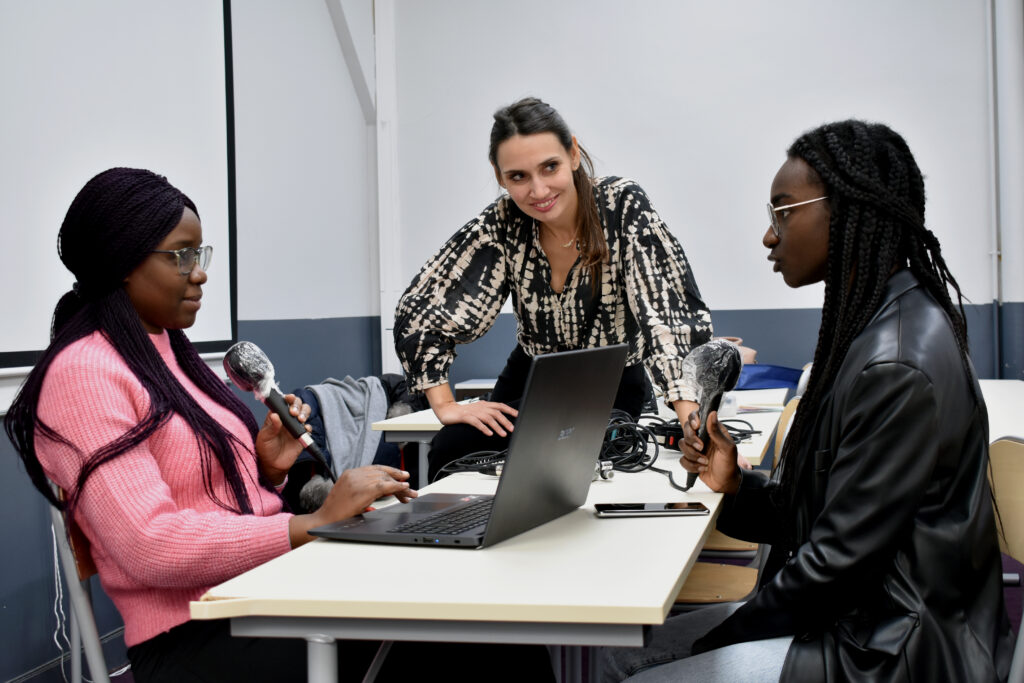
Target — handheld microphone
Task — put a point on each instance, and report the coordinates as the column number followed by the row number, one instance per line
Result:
column 250, row 370
column 714, row 368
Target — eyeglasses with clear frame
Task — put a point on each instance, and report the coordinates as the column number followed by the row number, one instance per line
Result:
column 188, row 257
column 773, row 215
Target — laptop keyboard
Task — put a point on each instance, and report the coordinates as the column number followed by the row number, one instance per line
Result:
column 450, row 521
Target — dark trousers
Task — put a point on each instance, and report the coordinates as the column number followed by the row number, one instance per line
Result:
column 454, row 441
column 205, row 652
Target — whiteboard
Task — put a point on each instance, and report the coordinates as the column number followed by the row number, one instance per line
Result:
column 91, row 85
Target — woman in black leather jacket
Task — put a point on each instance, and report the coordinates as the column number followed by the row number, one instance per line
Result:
column 884, row 563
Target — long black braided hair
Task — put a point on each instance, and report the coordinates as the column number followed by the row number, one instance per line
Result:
column 876, row 198
column 116, row 219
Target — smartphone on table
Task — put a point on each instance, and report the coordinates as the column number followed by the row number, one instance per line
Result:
column 650, row 509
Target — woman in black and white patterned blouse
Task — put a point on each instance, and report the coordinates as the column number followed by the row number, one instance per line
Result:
column 587, row 262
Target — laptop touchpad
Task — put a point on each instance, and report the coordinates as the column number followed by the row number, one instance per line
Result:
column 418, row 506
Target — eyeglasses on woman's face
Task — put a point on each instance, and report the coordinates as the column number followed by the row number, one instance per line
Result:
column 188, row 257
column 773, row 213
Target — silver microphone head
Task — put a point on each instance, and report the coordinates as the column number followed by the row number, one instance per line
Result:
column 713, row 368
column 250, row 369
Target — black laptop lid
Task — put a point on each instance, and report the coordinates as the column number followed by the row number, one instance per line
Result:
column 557, row 439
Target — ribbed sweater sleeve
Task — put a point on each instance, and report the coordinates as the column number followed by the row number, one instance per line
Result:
column 158, row 539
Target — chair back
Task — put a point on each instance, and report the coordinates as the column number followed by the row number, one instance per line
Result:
column 80, row 548
column 73, row 549
column 1007, row 479
column 772, row 450
column 782, row 429
column 805, row 377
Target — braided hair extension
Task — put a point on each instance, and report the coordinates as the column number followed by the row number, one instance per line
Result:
column 877, row 204
column 116, row 219
column 530, row 116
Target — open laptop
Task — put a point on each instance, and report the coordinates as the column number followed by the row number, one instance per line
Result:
column 562, row 420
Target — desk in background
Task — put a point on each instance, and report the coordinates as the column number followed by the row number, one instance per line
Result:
column 473, row 388
column 422, row 425
column 1004, row 399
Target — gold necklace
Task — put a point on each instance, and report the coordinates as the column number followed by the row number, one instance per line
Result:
column 567, row 244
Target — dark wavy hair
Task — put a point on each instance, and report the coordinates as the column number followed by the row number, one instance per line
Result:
column 876, row 197
column 530, row 116
column 116, row 219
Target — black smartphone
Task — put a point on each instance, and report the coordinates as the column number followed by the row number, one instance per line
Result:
column 649, row 509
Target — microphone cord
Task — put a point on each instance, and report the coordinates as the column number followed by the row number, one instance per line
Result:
column 739, row 429
column 627, row 442
column 632, row 447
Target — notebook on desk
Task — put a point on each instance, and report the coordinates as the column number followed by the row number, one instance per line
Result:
column 547, row 472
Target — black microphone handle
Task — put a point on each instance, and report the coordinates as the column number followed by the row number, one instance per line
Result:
column 275, row 401
column 702, row 433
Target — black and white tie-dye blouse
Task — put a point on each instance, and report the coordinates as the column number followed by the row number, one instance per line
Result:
column 647, row 298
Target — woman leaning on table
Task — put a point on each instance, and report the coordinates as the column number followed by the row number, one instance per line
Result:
column 168, row 474
column 587, row 262
column 884, row 562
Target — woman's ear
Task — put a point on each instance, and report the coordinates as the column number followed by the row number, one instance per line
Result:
column 574, row 153
column 497, row 176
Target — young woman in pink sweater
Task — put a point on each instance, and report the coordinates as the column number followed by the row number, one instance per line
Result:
column 167, row 472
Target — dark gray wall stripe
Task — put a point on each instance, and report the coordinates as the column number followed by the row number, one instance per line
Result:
column 1012, row 356
column 310, row 350
column 782, row 337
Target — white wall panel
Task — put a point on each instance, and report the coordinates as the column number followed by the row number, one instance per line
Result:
column 698, row 101
column 88, row 86
column 306, row 225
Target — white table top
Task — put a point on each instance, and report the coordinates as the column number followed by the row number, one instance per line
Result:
column 558, row 572
column 1004, row 399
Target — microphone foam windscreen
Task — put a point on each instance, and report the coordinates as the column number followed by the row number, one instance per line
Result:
column 314, row 492
column 712, row 368
column 249, row 368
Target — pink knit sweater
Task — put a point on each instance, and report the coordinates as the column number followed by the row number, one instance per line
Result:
column 158, row 540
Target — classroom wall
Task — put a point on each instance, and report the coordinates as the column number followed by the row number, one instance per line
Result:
column 305, row 166
column 89, row 86
column 306, row 172
column 698, row 102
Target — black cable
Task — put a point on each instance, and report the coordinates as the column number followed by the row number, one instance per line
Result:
column 478, row 461
column 626, row 442
column 626, row 446
column 671, row 432
column 739, row 434
column 671, row 479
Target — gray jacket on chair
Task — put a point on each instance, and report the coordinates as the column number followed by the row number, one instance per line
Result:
column 887, row 568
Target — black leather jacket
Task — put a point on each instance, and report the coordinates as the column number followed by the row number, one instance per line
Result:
column 888, row 568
